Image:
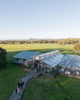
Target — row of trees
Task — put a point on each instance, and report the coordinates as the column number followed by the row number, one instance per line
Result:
column 58, row 41
column 12, row 42
column 74, row 41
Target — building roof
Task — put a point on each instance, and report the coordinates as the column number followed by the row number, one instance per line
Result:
column 45, row 55
column 70, row 61
column 53, row 60
column 27, row 55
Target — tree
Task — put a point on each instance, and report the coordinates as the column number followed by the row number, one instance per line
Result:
column 49, row 41
column 12, row 41
column 60, row 42
column 3, row 58
column 27, row 42
column 76, row 48
column 40, row 41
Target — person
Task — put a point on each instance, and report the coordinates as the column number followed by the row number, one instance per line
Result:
column 16, row 90
column 21, row 83
column 43, row 69
column 35, row 70
column 36, row 64
column 18, row 84
column 17, row 59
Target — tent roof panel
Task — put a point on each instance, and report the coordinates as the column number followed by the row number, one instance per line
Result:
column 31, row 56
column 53, row 60
column 45, row 55
column 26, row 54
column 71, row 61
column 19, row 54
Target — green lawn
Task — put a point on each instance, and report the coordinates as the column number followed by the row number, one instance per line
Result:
column 41, row 88
column 64, row 49
column 9, row 78
column 59, row 88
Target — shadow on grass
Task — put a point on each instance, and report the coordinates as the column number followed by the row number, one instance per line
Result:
column 62, row 51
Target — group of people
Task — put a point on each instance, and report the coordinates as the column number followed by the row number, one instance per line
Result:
column 20, row 84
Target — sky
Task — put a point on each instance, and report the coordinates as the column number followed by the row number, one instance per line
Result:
column 23, row 19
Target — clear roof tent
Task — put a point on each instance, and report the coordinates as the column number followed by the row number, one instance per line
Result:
column 53, row 60
column 70, row 61
column 19, row 54
column 31, row 55
column 24, row 55
column 45, row 55
column 27, row 55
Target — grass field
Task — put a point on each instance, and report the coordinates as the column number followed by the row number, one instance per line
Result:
column 64, row 49
column 59, row 88
column 41, row 88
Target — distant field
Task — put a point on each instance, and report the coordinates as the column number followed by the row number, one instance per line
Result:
column 64, row 49
column 41, row 88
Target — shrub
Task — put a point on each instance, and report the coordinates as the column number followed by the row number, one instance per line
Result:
column 3, row 58
column 76, row 48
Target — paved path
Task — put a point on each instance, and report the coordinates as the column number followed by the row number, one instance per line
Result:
column 30, row 75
